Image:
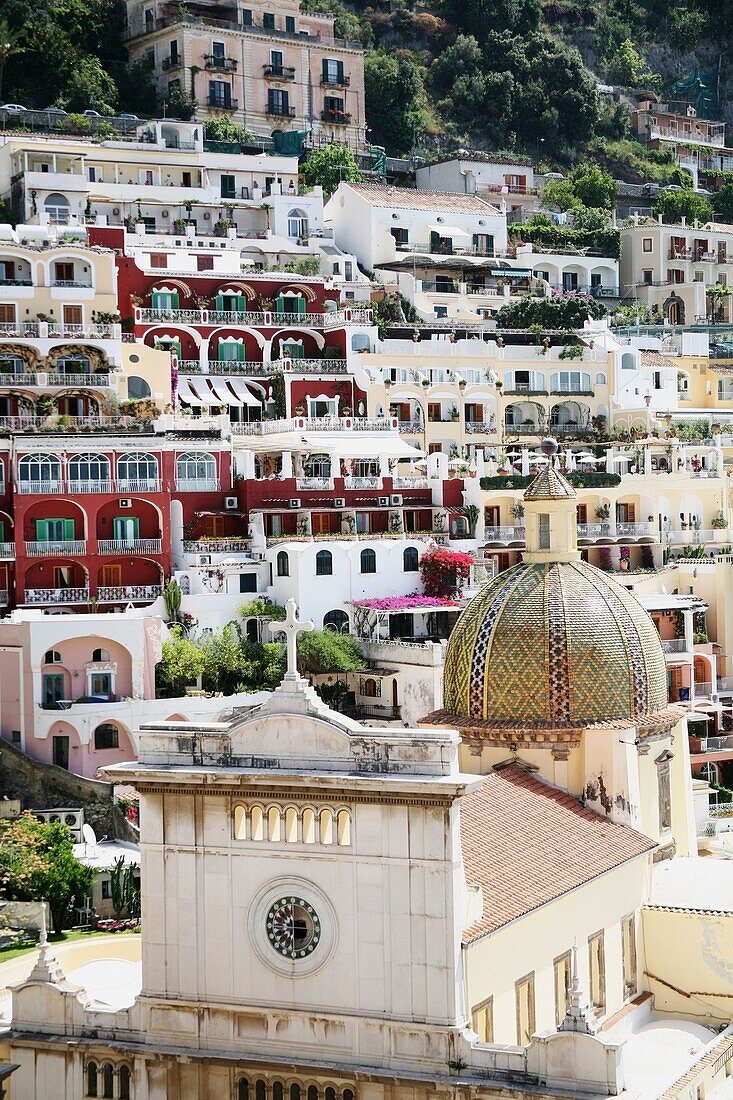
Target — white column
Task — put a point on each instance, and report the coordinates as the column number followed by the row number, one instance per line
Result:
column 287, row 464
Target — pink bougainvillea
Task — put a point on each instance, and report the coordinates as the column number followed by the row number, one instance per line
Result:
column 405, row 603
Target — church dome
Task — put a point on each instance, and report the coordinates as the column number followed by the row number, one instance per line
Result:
column 553, row 644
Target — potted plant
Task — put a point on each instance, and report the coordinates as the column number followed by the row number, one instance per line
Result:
column 179, row 225
column 624, row 558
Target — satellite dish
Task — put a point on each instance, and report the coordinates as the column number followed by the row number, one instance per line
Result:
column 90, row 837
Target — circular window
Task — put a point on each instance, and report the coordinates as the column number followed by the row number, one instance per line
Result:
column 134, row 358
column 293, row 927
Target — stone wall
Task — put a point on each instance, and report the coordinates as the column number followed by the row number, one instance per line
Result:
column 44, row 787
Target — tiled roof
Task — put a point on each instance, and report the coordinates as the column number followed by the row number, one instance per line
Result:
column 657, row 360
column 549, row 485
column 526, row 843
column 413, row 199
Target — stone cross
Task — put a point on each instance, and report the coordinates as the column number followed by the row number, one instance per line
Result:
column 291, row 626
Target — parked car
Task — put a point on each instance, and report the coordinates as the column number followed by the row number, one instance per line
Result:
column 91, row 114
column 132, row 118
column 55, row 111
column 14, row 107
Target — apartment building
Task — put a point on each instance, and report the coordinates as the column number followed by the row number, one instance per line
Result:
column 449, row 254
column 671, row 267
column 489, row 177
column 696, row 143
column 270, row 67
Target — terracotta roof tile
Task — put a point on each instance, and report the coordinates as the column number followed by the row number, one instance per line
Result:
column 411, row 198
column 656, row 360
column 526, row 843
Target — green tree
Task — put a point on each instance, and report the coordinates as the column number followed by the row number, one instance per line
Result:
column 675, row 205
column 116, row 886
column 482, row 17
column 590, row 218
column 628, row 67
column 560, row 195
column 330, row 166
column 179, row 103
column 10, row 46
column 326, row 651
column 457, row 75
column 224, row 128
column 90, row 86
column 37, row 863
column 566, row 311
column 182, row 662
column 723, row 202
column 394, row 100
column 594, row 187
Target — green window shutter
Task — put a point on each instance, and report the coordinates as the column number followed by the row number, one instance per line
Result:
column 301, row 304
column 242, row 303
column 340, row 71
column 68, row 525
column 220, row 307
column 239, row 353
column 174, row 300
column 125, row 527
column 42, row 530
column 2, row 530
column 434, row 242
column 280, row 304
column 175, row 347
column 324, row 70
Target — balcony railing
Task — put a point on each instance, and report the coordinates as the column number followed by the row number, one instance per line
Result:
column 338, row 118
column 314, row 424
column 97, row 380
column 130, row 592
column 374, row 482
column 221, row 64
column 197, row 485
column 64, row 547
column 328, row 319
column 674, row 645
column 479, row 427
column 314, row 483
column 43, row 488
column 135, row 485
column 276, row 111
column 82, row 284
column 342, row 81
column 16, row 282
column 86, row 487
column 410, row 483
column 504, row 534
column 233, row 366
column 222, row 104
column 56, row 595
column 122, row 546
column 4, row 600
column 279, row 72
column 318, row 366
column 7, row 550
column 634, row 529
column 169, row 63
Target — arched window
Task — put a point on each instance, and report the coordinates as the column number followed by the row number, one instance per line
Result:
column 324, row 563
column 240, row 823
column 312, row 1092
column 343, row 828
column 137, row 472
column 124, row 1076
column 360, row 342
column 347, row 1094
column 295, row 1092
column 92, row 1075
column 137, row 388
column 243, row 1093
column 309, row 833
column 39, row 473
column 291, row 825
column 257, row 823
column 196, row 471
column 330, row 1094
column 370, row 688
column 277, row 1090
column 336, row 620
column 317, row 466
column 108, row 1081
column 628, row 361
column 51, row 657
column 368, row 561
column 273, row 823
column 283, row 564
column 410, row 560
column 600, row 378
column 297, row 223
column 106, row 736
column 57, row 208
column 326, row 827
column 87, row 471
column 260, row 1089
column 100, row 654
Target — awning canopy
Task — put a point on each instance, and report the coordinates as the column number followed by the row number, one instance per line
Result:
column 207, row 391
column 448, row 231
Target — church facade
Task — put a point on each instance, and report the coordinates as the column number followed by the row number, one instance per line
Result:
column 335, row 912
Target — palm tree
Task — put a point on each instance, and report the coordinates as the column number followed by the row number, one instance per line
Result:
column 9, row 47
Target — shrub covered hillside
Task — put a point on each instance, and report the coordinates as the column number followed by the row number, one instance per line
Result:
column 511, row 75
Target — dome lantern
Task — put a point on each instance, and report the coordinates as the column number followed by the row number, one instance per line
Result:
column 550, row 516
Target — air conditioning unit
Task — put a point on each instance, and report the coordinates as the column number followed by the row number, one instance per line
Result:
column 339, row 502
column 125, row 502
column 231, row 504
column 383, row 502
column 295, row 502
column 396, row 500
column 204, row 559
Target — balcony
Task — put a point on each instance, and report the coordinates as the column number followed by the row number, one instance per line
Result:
column 7, row 551
column 197, row 485
column 16, row 282
column 277, row 111
column 279, row 72
column 333, row 318
column 56, row 595
column 220, row 64
column 314, row 483
column 336, row 81
column 374, row 482
column 635, row 530
column 99, row 381
column 135, row 485
column 234, row 366
column 64, row 548
column 79, row 283
column 338, row 118
column 123, row 546
column 219, row 104
column 479, row 427
column 504, row 534
column 87, row 487
column 40, row 488
column 410, row 483
column 170, row 63
column 130, row 593
column 674, row 645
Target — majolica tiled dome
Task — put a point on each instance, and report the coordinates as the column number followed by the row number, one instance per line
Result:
column 554, row 644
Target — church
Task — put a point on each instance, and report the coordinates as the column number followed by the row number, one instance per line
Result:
column 503, row 901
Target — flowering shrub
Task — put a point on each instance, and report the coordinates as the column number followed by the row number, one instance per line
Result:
column 405, row 603
column 112, row 925
column 443, row 572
